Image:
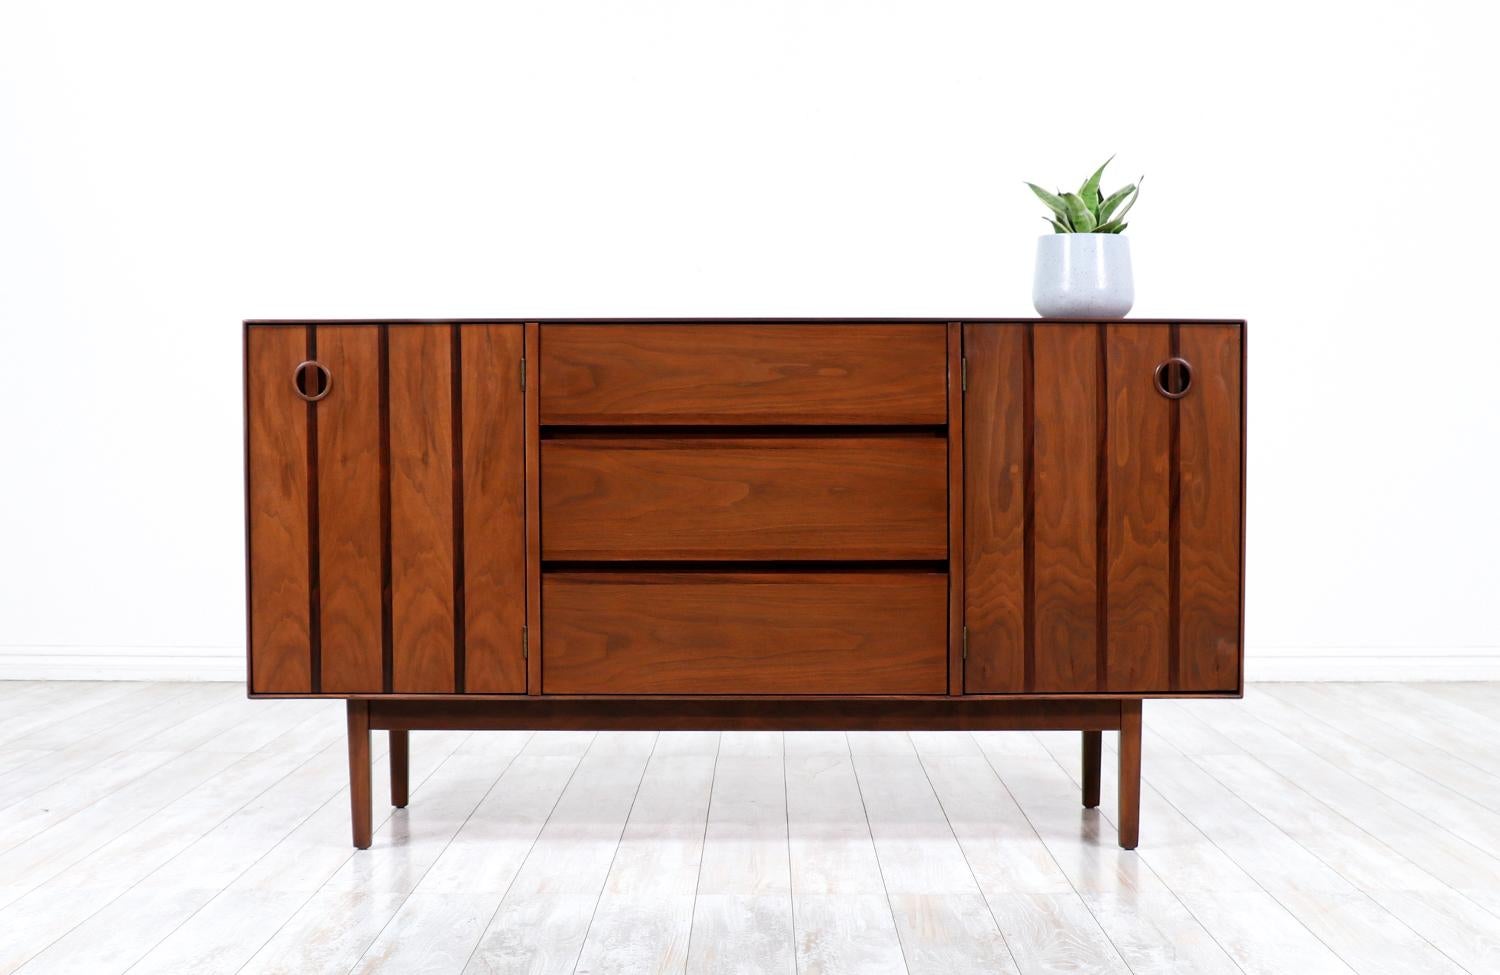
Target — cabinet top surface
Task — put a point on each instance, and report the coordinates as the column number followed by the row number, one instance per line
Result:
column 914, row 320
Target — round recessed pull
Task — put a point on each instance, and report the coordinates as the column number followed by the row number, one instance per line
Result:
column 312, row 380
column 1174, row 377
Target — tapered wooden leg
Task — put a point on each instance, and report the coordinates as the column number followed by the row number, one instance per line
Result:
column 1093, row 754
column 1130, row 774
column 400, row 766
column 359, row 771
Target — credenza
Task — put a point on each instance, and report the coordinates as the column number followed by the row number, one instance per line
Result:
column 745, row 524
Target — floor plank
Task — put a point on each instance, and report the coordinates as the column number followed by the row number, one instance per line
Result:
column 644, row 917
column 1454, row 924
column 841, row 915
column 540, row 922
column 1440, row 852
column 1261, row 936
column 1365, row 935
column 229, row 929
column 941, row 914
column 1155, row 933
column 1005, row 853
column 1308, row 828
column 742, row 918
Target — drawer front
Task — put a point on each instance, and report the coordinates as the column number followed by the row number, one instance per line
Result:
column 743, row 374
column 744, row 633
column 746, row 498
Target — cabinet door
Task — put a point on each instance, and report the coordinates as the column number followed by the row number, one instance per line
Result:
column 386, row 528
column 1102, row 515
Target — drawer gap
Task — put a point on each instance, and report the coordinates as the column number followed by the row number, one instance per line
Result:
column 937, row 566
column 650, row 431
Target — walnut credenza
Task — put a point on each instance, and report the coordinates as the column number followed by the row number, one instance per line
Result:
column 852, row 524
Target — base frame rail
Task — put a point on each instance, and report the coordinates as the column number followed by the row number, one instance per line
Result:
column 401, row 717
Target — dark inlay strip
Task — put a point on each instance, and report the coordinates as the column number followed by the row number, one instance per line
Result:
column 1028, row 506
column 531, row 509
column 387, row 667
column 778, row 566
column 314, row 597
column 455, row 367
column 1101, row 522
column 1174, row 534
column 736, row 432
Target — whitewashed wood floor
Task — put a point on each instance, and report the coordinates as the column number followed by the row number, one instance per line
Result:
column 1308, row 828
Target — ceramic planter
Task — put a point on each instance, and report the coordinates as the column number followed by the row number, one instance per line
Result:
column 1083, row 276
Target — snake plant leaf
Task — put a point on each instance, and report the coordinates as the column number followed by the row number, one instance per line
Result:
column 1053, row 201
column 1060, row 224
column 1107, row 208
column 1120, row 214
column 1079, row 215
column 1089, row 211
column 1089, row 191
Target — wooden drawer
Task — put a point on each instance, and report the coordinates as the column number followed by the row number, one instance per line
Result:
column 782, row 498
column 744, row 374
column 744, row 633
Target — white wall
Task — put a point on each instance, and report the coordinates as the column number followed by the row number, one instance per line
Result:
column 167, row 169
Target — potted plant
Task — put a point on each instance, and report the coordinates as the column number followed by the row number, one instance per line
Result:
column 1083, row 267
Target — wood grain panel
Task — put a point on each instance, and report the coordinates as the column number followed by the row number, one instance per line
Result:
column 1209, row 510
column 421, row 471
column 745, row 633
column 1065, row 436
column 277, row 496
column 745, row 498
column 743, row 374
column 494, row 509
column 1139, row 512
column 349, row 542
column 994, row 508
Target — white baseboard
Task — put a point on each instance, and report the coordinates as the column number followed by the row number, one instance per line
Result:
column 228, row 663
column 122, row 663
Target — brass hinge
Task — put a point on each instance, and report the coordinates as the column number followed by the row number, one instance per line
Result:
column 963, row 374
column 525, row 650
column 966, row 643
column 523, row 373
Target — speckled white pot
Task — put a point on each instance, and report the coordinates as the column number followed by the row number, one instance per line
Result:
column 1083, row 276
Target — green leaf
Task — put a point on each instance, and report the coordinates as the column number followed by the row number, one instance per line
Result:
column 1113, row 227
column 1107, row 208
column 1058, row 206
column 1089, row 191
column 1131, row 202
column 1079, row 216
column 1057, row 226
